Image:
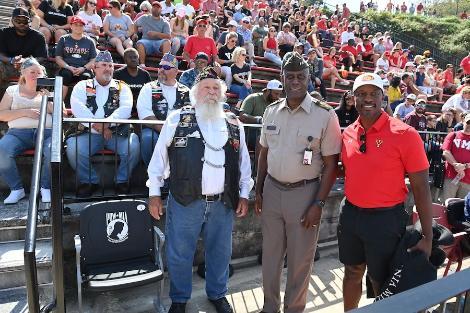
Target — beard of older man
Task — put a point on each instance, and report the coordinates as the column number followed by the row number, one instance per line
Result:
column 207, row 97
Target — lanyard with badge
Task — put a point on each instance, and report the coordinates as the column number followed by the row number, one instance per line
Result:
column 308, row 152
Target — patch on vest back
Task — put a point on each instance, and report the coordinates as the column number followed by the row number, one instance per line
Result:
column 180, row 142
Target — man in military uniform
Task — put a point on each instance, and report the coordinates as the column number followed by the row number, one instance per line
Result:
column 157, row 99
column 203, row 152
column 301, row 141
column 98, row 98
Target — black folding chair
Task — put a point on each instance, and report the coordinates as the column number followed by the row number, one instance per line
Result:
column 118, row 247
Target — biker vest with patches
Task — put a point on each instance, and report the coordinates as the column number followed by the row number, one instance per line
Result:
column 112, row 103
column 186, row 156
column 160, row 104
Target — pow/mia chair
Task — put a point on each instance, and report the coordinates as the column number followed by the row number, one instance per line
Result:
column 118, row 247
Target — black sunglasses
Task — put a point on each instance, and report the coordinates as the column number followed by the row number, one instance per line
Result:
column 166, row 67
column 362, row 148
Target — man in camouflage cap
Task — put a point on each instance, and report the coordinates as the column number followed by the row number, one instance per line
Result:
column 300, row 142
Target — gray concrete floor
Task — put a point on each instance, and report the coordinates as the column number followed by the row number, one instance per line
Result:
column 245, row 293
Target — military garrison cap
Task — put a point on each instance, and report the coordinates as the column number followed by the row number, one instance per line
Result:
column 293, row 61
column 207, row 72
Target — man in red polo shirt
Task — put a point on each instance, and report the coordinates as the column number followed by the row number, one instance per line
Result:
column 200, row 43
column 378, row 151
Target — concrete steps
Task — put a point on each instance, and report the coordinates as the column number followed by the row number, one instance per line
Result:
column 12, row 272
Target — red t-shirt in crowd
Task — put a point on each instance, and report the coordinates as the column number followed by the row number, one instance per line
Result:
column 402, row 60
column 458, row 144
column 330, row 60
column 376, row 178
column 347, row 48
column 195, row 44
column 196, row 4
column 448, row 77
column 394, row 60
column 465, row 64
column 321, row 24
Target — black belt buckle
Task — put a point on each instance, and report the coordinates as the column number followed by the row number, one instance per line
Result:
column 211, row 198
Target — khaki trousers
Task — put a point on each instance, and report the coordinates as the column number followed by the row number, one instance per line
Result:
column 450, row 190
column 282, row 232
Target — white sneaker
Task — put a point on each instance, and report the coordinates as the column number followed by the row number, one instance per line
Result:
column 15, row 196
column 45, row 195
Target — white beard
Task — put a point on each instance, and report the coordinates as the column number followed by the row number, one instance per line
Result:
column 209, row 109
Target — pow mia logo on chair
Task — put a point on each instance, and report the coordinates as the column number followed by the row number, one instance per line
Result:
column 117, row 228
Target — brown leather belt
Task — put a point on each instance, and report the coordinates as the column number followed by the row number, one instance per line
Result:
column 293, row 185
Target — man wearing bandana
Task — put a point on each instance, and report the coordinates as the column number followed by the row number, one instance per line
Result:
column 203, row 152
column 157, row 99
column 102, row 98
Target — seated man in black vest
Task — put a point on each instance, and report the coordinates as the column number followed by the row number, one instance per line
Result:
column 102, row 98
column 203, row 151
column 157, row 99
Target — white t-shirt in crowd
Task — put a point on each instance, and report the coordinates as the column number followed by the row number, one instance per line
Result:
column 20, row 103
column 91, row 21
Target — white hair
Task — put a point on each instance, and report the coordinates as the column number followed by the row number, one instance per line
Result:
column 145, row 4
column 209, row 110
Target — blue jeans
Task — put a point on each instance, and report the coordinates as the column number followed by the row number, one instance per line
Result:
column 184, row 224
column 15, row 142
column 240, row 90
column 149, row 139
column 80, row 148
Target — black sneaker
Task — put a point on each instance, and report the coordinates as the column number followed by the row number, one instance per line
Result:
column 222, row 305
column 121, row 188
column 86, row 190
column 177, row 308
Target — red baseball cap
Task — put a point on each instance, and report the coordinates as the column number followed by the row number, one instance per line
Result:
column 202, row 21
column 156, row 3
column 77, row 20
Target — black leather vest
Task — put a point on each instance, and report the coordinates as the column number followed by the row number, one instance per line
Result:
column 186, row 155
column 160, row 104
column 113, row 98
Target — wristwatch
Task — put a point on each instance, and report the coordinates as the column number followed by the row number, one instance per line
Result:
column 320, row 203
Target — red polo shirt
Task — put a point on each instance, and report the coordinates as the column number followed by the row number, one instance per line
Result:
column 376, row 178
column 458, row 144
column 465, row 64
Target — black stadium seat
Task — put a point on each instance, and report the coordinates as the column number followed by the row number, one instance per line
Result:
column 118, row 247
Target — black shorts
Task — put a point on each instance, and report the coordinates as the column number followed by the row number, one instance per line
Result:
column 69, row 79
column 370, row 236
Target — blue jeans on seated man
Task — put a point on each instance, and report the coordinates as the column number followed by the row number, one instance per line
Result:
column 240, row 90
column 15, row 142
column 80, row 148
column 184, row 225
column 149, row 139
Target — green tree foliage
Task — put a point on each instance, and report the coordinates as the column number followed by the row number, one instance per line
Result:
column 449, row 33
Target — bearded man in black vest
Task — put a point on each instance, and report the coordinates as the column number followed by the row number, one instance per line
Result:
column 203, row 152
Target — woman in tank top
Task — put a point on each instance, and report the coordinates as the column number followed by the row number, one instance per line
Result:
column 270, row 47
column 20, row 108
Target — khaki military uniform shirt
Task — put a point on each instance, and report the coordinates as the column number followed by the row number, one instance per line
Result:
column 286, row 134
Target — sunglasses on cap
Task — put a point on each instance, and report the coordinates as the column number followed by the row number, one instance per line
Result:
column 166, row 67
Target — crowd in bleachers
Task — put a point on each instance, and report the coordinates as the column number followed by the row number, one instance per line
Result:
column 231, row 35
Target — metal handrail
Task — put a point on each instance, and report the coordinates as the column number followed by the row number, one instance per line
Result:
column 57, row 203
column 425, row 296
column 30, row 235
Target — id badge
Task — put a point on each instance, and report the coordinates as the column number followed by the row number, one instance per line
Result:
column 307, row 157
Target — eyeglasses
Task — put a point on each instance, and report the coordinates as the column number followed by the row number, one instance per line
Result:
column 232, row 41
column 272, row 31
column 144, row 10
column 92, row 3
column 243, row 54
column 21, row 21
column 166, row 67
column 246, row 22
column 362, row 147
column 202, row 25
column 20, row 5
